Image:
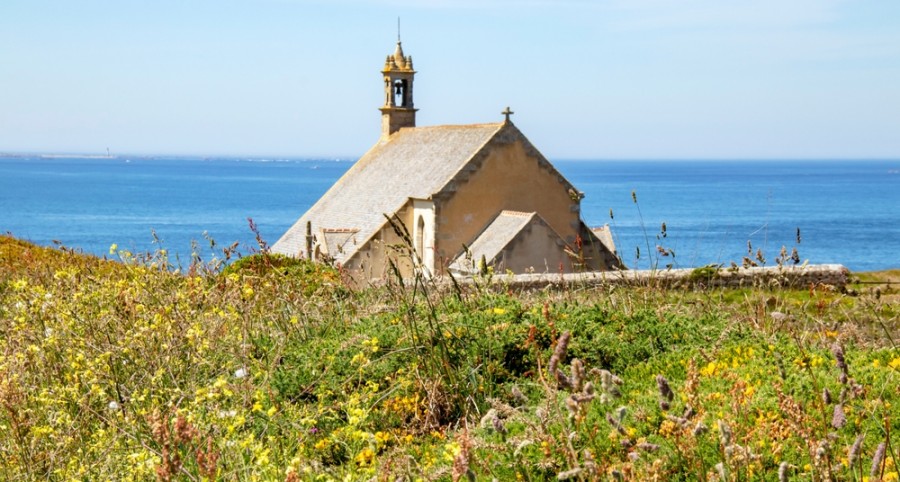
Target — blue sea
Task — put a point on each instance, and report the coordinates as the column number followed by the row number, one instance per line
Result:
column 846, row 212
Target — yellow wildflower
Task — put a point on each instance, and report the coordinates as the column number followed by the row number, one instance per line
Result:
column 365, row 457
column 359, row 359
column 451, row 450
column 262, row 458
column 667, row 428
column 709, row 369
column 372, row 344
column 247, row 291
column 238, row 422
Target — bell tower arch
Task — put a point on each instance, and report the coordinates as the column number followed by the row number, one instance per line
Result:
column 398, row 110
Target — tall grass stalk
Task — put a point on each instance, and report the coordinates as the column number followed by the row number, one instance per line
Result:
column 275, row 369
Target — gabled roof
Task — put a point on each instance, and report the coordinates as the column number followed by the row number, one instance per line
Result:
column 604, row 235
column 496, row 237
column 335, row 240
column 412, row 163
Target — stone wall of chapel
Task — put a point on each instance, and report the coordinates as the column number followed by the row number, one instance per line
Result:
column 371, row 260
column 535, row 250
column 508, row 178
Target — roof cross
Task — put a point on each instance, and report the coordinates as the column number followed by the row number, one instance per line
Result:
column 507, row 113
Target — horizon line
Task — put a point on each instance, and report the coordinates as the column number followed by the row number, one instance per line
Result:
column 100, row 155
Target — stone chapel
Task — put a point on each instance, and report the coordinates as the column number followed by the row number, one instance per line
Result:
column 451, row 198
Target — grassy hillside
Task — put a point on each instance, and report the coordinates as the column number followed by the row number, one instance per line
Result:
column 274, row 369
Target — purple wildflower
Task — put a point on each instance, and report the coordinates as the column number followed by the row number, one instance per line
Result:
column 854, row 450
column 838, row 419
column 877, row 459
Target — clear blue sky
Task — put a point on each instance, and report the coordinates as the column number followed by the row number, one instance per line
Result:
column 587, row 79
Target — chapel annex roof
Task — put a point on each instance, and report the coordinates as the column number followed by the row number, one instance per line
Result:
column 497, row 237
column 413, row 163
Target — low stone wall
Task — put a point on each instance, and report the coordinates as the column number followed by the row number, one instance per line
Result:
column 706, row 277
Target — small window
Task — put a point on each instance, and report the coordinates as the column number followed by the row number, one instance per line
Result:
column 420, row 238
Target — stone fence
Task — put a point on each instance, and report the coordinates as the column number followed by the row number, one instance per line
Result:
column 705, row 277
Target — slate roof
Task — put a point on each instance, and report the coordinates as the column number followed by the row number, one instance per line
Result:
column 494, row 239
column 412, row 163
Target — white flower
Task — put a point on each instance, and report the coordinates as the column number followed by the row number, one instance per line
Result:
column 113, row 406
column 240, row 373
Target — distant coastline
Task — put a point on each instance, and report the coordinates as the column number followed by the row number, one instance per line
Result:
column 76, row 156
column 21, row 155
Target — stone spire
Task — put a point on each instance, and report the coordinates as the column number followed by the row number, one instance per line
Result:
column 399, row 59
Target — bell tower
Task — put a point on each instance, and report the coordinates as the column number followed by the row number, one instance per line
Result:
column 398, row 110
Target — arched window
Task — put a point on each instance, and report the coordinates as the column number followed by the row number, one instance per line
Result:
column 420, row 238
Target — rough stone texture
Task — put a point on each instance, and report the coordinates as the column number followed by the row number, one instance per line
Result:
column 514, row 241
column 415, row 163
column 835, row 275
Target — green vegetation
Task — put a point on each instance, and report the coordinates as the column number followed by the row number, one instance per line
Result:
column 276, row 369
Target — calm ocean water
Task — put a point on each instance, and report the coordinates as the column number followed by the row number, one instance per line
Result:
column 847, row 212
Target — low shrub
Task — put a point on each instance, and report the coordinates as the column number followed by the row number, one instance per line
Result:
column 273, row 369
